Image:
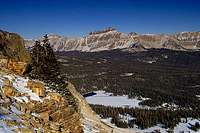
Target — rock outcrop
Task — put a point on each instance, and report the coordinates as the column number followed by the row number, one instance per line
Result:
column 110, row 38
column 13, row 54
column 12, row 46
column 29, row 106
column 36, row 87
column 189, row 40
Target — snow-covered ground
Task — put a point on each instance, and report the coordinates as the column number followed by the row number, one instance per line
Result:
column 88, row 127
column 20, row 84
column 107, row 99
column 182, row 127
column 4, row 128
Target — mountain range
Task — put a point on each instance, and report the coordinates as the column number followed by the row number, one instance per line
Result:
column 110, row 38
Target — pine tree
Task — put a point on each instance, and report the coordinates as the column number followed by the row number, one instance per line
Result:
column 44, row 65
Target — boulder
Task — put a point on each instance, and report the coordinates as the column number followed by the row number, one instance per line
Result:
column 36, row 87
column 3, row 63
column 25, row 130
column 7, row 82
column 12, row 47
column 8, row 91
column 24, row 108
column 13, row 54
column 18, row 67
column 55, row 126
column 55, row 96
column 44, row 116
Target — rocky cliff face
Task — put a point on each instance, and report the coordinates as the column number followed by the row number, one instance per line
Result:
column 30, row 106
column 189, row 40
column 13, row 54
column 110, row 38
column 12, row 46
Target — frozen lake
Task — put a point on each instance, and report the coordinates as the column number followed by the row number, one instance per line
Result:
column 107, row 99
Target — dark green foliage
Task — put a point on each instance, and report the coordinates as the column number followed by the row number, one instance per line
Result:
column 195, row 127
column 146, row 117
column 175, row 79
column 44, row 65
column 115, row 120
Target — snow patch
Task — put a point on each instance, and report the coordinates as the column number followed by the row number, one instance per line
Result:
column 22, row 99
column 15, row 110
column 21, row 85
column 126, row 74
column 4, row 128
column 88, row 127
column 107, row 99
column 186, row 126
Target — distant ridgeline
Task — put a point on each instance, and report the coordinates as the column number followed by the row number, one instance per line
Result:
column 110, row 39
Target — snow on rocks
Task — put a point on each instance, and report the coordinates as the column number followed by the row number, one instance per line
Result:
column 4, row 128
column 22, row 99
column 21, row 85
column 15, row 110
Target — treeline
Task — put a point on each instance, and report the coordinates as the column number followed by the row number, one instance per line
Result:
column 145, row 118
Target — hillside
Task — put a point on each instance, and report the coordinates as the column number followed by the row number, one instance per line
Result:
column 110, row 38
column 30, row 105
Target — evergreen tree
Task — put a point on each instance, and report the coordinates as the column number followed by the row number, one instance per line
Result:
column 44, row 65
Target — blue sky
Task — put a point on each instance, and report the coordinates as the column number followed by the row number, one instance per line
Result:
column 33, row 18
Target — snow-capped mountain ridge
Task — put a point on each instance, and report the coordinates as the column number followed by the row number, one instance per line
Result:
column 110, row 38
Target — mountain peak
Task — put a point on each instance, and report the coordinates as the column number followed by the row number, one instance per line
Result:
column 103, row 31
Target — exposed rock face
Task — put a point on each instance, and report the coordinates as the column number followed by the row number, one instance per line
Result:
column 26, row 108
column 17, row 66
column 13, row 54
column 8, row 91
column 55, row 96
column 13, row 65
column 110, row 38
column 12, row 46
column 189, row 40
column 3, row 63
column 36, row 87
